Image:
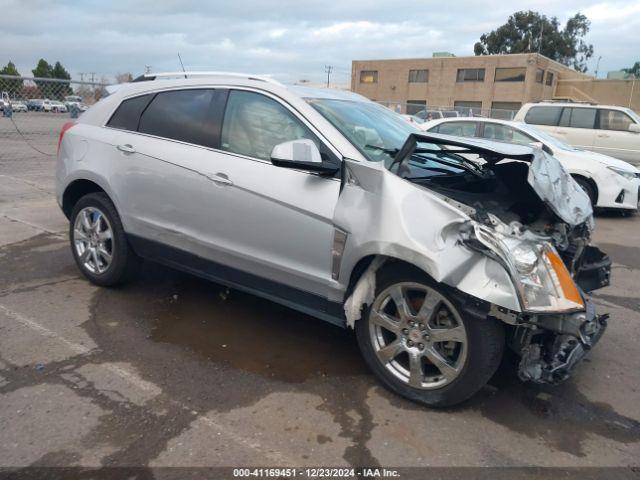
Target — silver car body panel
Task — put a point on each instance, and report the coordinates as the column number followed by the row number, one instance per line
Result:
column 297, row 213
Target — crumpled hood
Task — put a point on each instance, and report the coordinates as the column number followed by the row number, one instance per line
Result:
column 557, row 189
column 548, row 178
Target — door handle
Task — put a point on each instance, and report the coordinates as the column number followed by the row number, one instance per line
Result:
column 561, row 131
column 126, row 148
column 603, row 135
column 220, row 179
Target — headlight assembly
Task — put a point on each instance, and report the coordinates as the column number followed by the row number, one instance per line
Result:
column 543, row 282
column 625, row 173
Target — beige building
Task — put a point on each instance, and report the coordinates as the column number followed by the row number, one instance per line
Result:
column 501, row 82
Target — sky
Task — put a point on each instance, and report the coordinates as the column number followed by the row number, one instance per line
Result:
column 290, row 40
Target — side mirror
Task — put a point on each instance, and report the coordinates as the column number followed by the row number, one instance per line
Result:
column 634, row 127
column 302, row 154
column 537, row 144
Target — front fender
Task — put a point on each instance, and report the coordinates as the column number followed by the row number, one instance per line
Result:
column 387, row 216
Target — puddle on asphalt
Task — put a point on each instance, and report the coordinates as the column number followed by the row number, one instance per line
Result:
column 253, row 334
column 559, row 414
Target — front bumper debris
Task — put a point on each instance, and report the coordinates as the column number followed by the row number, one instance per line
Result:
column 552, row 345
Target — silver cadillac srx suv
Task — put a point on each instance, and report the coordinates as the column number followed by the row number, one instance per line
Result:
column 440, row 252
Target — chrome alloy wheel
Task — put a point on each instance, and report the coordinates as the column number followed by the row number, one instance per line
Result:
column 418, row 335
column 93, row 240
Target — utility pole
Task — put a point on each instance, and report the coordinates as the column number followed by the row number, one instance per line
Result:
column 598, row 65
column 93, row 76
column 147, row 69
column 328, row 69
column 81, row 76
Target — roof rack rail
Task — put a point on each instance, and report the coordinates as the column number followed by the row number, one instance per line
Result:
column 567, row 100
column 161, row 75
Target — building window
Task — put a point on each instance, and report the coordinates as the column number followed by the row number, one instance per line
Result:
column 369, row 76
column 415, row 106
column 470, row 75
column 515, row 74
column 539, row 75
column 504, row 110
column 549, row 78
column 467, row 108
column 418, row 76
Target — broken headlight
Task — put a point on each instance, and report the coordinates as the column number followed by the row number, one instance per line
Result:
column 542, row 280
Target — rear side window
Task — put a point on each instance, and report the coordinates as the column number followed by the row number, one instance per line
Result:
column 180, row 115
column 459, row 129
column 614, row 120
column 578, row 117
column 505, row 133
column 543, row 115
column 127, row 116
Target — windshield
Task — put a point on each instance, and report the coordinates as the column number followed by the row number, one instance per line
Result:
column 633, row 114
column 375, row 130
column 546, row 138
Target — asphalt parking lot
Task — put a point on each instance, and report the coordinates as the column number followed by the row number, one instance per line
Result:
column 176, row 371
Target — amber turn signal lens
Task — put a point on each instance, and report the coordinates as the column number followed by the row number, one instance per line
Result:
column 567, row 284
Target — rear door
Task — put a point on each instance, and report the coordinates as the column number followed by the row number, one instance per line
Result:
column 614, row 138
column 577, row 126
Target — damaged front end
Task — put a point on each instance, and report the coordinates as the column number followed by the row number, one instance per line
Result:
column 526, row 213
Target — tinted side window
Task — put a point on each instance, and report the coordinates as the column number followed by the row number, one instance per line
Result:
column 180, row 115
column 127, row 116
column 504, row 133
column 578, row 117
column 543, row 115
column 614, row 120
column 254, row 124
column 459, row 129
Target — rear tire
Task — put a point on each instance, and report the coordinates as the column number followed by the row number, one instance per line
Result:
column 471, row 347
column 99, row 243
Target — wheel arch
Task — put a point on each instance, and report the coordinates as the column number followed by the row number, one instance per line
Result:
column 76, row 190
column 591, row 182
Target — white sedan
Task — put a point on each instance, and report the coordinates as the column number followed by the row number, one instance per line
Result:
column 609, row 182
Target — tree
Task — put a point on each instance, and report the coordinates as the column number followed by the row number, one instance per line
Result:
column 531, row 32
column 53, row 90
column 44, row 70
column 633, row 71
column 124, row 77
column 13, row 87
column 64, row 89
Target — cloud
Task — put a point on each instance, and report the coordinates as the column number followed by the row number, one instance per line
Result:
column 289, row 39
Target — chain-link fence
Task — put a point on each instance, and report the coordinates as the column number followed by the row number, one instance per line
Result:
column 33, row 111
column 424, row 112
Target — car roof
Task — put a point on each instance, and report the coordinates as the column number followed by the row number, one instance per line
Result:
column 574, row 104
column 231, row 80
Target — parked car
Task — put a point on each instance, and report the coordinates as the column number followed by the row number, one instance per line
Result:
column 39, row 105
column 334, row 205
column 609, row 182
column 58, row 107
column 607, row 129
column 71, row 100
column 18, row 106
column 413, row 119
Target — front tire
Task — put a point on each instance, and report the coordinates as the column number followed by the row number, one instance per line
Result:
column 421, row 345
column 98, row 242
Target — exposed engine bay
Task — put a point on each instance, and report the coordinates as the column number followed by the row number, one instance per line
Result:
column 529, row 215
